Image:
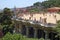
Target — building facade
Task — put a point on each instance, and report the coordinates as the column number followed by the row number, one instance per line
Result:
column 37, row 25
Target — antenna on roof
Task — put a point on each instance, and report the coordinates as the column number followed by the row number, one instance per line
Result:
column 14, row 8
column 14, row 12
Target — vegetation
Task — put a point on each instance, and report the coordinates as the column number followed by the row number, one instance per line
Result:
column 10, row 36
column 51, row 3
column 41, row 6
column 57, row 29
column 34, row 10
column 5, row 21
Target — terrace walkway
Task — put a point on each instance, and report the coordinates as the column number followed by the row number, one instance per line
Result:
column 36, row 32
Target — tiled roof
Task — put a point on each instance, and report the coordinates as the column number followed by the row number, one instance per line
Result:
column 54, row 8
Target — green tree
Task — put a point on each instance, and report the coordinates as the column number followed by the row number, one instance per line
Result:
column 37, row 4
column 5, row 20
column 57, row 29
column 10, row 36
column 41, row 38
column 7, row 12
column 51, row 3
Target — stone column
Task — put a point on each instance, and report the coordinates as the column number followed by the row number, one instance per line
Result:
column 27, row 31
column 35, row 32
column 15, row 29
column 46, row 35
column 20, row 28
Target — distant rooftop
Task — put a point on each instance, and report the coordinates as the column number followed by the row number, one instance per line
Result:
column 54, row 8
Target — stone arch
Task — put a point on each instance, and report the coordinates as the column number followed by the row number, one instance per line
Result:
column 31, row 32
column 40, row 33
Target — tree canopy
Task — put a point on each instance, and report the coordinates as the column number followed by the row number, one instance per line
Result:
column 5, row 20
column 57, row 28
column 41, row 6
column 48, row 3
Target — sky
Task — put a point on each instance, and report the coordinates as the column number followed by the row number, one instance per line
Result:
column 17, row 3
